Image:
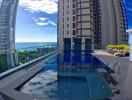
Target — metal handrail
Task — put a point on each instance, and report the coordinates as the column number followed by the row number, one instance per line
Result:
column 117, row 63
column 30, row 63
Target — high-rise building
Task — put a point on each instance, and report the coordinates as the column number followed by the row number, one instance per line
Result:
column 8, row 9
column 75, row 24
column 88, row 24
column 113, row 22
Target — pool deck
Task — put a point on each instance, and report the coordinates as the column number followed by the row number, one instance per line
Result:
column 9, row 84
column 123, row 73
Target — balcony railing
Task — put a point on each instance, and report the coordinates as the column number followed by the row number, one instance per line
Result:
column 23, row 56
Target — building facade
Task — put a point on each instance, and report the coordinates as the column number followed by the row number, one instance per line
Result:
column 75, row 24
column 8, row 9
column 113, row 22
column 88, row 24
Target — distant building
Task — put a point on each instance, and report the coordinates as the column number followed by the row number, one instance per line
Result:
column 88, row 24
column 41, row 51
column 8, row 9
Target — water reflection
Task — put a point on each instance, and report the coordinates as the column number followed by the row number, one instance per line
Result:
column 79, row 61
column 69, row 76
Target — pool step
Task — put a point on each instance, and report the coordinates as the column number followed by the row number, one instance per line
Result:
column 96, row 84
column 72, row 74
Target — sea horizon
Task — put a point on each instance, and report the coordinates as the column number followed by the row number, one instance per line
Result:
column 21, row 45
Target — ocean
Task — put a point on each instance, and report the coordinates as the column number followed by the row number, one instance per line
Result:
column 34, row 44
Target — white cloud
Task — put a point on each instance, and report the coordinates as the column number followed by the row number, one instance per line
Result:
column 129, row 9
column 36, row 20
column 47, row 6
column 41, row 21
column 52, row 23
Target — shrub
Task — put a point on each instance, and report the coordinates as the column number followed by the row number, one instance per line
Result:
column 123, row 47
column 127, row 48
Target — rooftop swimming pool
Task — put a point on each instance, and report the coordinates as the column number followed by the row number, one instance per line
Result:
column 70, row 75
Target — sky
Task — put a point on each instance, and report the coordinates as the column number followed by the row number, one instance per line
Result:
column 37, row 20
column 128, row 7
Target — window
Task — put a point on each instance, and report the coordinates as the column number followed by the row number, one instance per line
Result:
column 74, row 32
column 74, row 25
column 74, row 6
column 73, row 18
column 73, row 12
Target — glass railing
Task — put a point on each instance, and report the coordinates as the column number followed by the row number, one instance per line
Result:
column 22, row 56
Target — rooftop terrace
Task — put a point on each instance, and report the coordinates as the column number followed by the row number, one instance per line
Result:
column 12, row 83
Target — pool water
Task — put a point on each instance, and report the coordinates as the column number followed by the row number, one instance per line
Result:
column 69, row 76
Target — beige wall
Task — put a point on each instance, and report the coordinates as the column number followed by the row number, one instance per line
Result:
column 69, row 13
column 112, row 22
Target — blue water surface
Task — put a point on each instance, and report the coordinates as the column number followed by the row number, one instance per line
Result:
column 70, row 76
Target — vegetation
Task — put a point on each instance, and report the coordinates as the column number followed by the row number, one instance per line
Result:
column 22, row 56
column 2, row 62
column 120, row 47
column 25, row 56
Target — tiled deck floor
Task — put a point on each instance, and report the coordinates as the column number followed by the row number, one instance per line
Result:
column 123, row 73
